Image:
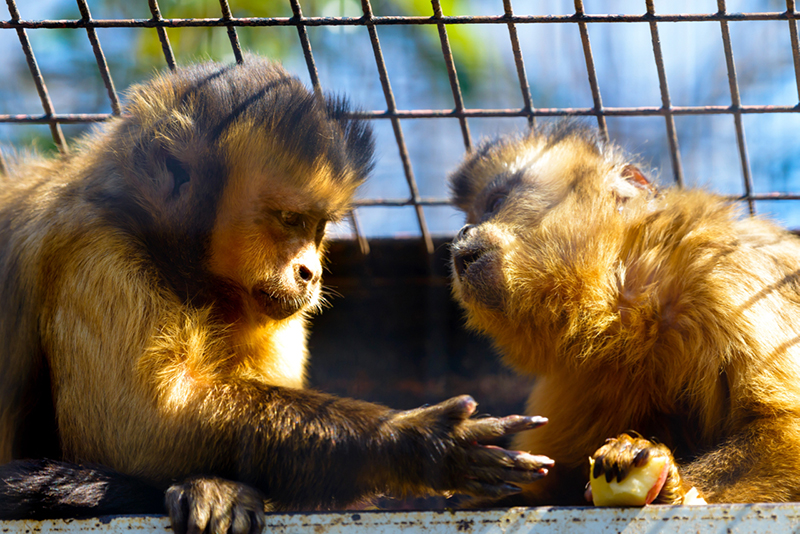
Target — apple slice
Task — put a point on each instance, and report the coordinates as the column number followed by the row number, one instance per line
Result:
column 640, row 487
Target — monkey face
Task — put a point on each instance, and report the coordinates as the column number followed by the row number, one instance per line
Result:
column 228, row 176
column 543, row 212
column 268, row 238
column 506, row 189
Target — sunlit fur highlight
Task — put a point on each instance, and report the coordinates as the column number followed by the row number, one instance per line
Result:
column 672, row 315
column 156, row 285
column 112, row 282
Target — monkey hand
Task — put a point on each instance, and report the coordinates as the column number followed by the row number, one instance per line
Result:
column 453, row 459
column 210, row 504
column 629, row 471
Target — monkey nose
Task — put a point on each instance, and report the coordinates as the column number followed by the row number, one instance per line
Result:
column 305, row 274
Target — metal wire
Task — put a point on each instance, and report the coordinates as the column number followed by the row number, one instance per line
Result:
column 452, row 74
column 792, row 9
column 666, row 103
column 169, row 55
column 232, row 35
column 579, row 18
column 736, row 104
column 100, row 58
column 398, row 131
column 519, row 63
column 590, row 70
column 38, row 80
column 306, row 45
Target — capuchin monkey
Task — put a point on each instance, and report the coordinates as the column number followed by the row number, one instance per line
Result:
column 662, row 313
column 156, row 283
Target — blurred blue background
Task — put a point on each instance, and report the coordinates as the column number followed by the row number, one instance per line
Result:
column 556, row 70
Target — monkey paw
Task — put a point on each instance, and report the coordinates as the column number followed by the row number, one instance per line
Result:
column 629, row 471
column 454, row 459
column 209, row 504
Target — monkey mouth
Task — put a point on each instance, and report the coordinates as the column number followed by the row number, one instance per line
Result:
column 479, row 275
column 472, row 262
column 278, row 305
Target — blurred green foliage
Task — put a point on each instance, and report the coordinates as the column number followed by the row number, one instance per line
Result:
column 191, row 44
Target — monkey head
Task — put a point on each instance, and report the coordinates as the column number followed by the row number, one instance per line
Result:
column 535, row 204
column 229, row 177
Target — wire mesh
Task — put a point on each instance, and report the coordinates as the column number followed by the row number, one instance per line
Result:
column 442, row 22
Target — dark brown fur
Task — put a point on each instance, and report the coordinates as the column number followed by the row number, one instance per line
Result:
column 155, row 287
column 667, row 314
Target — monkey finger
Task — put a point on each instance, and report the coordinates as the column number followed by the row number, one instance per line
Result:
column 198, row 518
column 499, row 475
column 493, row 427
column 455, row 408
column 246, row 521
column 178, row 509
column 477, row 488
column 494, row 463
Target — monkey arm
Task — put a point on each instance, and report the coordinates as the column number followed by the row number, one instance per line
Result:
column 306, row 449
column 168, row 406
column 751, row 465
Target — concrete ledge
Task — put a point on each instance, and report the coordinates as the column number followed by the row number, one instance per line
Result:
column 732, row 518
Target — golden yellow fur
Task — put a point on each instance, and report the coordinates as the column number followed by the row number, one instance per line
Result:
column 668, row 314
column 156, row 285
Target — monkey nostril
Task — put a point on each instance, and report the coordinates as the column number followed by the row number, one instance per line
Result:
column 464, row 232
column 304, row 273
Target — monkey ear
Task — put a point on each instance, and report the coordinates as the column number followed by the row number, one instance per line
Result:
column 631, row 183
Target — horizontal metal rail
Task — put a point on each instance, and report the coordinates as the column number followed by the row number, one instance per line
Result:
column 76, row 118
column 395, row 20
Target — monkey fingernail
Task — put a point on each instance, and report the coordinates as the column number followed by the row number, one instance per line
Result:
column 509, row 489
column 641, row 458
column 527, row 423
column 530, row 461
column 597, row 469
column 465, row 404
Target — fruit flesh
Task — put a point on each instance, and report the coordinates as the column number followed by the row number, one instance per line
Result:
column 639, row 487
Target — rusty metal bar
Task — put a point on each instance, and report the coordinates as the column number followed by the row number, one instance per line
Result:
column 102, row 64
column 434, row 201
column 363, row 244
column 666, row 103
column 792, row 9
column 520, row 64
column 305, row 43
column 736, row 104
column 646, row 111
column 38, row 80
column 398, row 131
column 591, row 72
column 452, row 74
column 396, row 20
column 169, row 55
column 227, row 16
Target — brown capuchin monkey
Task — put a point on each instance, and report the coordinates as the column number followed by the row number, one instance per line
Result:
column 666, row 314
column 155, row 286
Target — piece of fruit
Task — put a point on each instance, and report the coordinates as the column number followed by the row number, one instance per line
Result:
column 639, row 487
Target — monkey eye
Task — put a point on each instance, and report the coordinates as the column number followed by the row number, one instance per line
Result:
column 291, row 218
column 179, row 175
column 495, row 202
